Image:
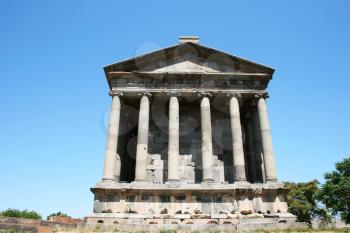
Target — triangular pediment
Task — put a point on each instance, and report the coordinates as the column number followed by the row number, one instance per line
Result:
column 188, row 58
column 185, row 67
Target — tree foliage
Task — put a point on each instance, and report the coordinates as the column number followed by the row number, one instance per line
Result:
column 335, row 192
column 21, row 214
column 59, row 213
column 302, row 202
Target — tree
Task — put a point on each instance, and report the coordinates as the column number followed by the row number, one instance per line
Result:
column 302, row 202
column 21, row 214
column 335, row 192
column 59, row 213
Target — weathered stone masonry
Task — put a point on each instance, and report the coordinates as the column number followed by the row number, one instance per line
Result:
column 189, row 140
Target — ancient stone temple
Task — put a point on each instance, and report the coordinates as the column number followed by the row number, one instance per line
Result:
column 189, row 141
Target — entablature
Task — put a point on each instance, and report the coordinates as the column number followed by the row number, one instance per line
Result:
column 188, row 81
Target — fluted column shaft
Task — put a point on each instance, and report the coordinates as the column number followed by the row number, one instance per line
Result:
column 142, row 140
column 237, row 142
column 173, row 145
column 112, row 160
column 269, row 157
column 258, row 155
column 207, row 145
column 250, row 152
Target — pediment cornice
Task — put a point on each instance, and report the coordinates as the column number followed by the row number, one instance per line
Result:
column 191, row 52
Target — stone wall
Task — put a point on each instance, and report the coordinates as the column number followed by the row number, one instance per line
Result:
column 191, row 199
column 184, row 223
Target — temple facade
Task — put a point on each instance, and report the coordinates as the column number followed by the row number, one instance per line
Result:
column 189, row 141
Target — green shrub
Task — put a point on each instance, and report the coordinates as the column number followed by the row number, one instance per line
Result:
column 30, row 214
column 59, row 213
column 302, row 202
column 335, row 192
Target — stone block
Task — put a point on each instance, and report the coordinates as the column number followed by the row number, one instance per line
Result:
column 227, row 221
column 254, row 215
column 232, row 216
column 200, row 216
column 182, row 216
column 218, row 216
column 285, row 215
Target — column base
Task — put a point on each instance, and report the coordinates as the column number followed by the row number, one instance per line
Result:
column 141, row 182
column 107, row 179
column 272, row 180
column 208, row 181
column 172, row 181
column 241, row 182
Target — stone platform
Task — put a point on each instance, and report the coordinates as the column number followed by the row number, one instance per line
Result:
column 184, row 203
column 222, row 222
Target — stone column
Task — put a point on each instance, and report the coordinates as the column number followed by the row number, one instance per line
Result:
column 237, row 142
column 258, row 155
column 269, row 157
column 250, row 150
column 117, row 168
column 142, row 139
column 112, row 160
column 173, row 145
column 207, row 145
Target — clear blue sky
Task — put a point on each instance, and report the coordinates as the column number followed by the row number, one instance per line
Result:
column 53, row 93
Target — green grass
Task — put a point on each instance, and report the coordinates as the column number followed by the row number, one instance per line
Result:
column 12, row 231
column 320, row 230
column 292, row 230
column 98, row 229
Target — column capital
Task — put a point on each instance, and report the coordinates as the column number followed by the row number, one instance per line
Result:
column 174, row 94
column 115, row 93
column 234, row 94
column 205, row 94
column 145, row 93
column 262, row 95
